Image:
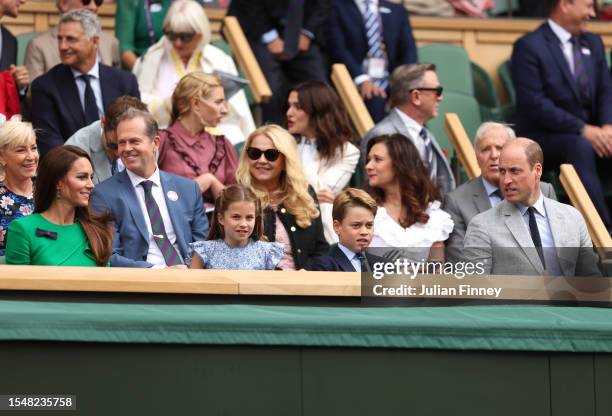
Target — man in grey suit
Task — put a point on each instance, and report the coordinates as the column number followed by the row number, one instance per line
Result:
column 416, row 93
column 42, row 52
column 99, row 139
column 481, row 193
column 156, row 214
column 526, row 233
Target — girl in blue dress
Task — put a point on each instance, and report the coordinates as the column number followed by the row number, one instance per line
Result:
column 234, row 240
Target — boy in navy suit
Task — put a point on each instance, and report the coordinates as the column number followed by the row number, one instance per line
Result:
column 353, row 214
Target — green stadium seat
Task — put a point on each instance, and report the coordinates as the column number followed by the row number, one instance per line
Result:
column 238, row 148
column 452, row 66
column 225, row 47
column 506, row 80
column 468, row 111
column 486, row 94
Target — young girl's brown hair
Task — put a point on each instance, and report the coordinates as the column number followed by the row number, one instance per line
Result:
column 231, row 194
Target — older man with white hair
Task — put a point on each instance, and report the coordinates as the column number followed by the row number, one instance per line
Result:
column 481, row 193
column 76, row 92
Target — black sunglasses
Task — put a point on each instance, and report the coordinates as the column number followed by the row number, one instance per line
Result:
column 184, row 37
column 112, row 146
column 437, row 90
column 270, row 154
column 97, row 2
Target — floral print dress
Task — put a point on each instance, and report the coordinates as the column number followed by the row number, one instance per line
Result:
column 12, row 206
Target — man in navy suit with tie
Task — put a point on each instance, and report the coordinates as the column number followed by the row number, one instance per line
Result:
column 156, row 214
column 564, row 95
column 371, row 38
column 76, row 92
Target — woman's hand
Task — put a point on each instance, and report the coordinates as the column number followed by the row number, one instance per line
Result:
column 129, row 59
column 325, row 195
column 208, row 181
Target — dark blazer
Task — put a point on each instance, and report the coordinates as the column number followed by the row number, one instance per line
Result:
column 9, row 49
column 306, row 243
column 257, row 17
column 56, row 108
column 336, row 261
column 546, row 93
column 131, row 241
column 346, row 37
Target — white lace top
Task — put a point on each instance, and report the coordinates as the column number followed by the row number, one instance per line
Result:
column 388, row 233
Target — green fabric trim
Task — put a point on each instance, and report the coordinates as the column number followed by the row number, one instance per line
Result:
column 516, row 328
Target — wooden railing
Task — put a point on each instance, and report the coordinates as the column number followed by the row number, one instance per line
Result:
column 246, row 59
column 462, row 144
column 351, row 99
column 582, row 202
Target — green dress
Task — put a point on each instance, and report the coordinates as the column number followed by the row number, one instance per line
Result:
column 30, row 242
column 131, row 24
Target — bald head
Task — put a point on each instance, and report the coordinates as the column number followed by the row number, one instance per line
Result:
column 520, row 168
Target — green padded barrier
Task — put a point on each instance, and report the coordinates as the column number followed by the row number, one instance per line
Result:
column 22, row 43
column 452, row 66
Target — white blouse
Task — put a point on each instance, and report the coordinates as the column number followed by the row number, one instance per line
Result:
column 388, row 233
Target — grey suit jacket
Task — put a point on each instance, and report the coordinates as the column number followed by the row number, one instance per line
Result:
column 469, row 200
column 394, row 124
column 89, row 138
column 500, row 239
column 42, row 52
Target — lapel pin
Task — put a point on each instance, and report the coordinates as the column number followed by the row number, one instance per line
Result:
column 586, row 51
column 172, row 196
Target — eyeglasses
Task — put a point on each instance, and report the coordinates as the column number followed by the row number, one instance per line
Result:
column 270, row 154
column 184, row 37
column 437, row 90
column 97, row 2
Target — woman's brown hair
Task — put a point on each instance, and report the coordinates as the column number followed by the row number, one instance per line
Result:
column 417, row 190
column 231, row 194
column 328, row 117
column 53, row 167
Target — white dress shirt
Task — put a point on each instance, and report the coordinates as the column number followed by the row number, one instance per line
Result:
column 154, row 255
column 565, row 43
column 546, row 237
column 94, row 80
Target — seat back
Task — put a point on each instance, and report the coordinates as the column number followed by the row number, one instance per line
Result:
column 351, row 99
column 22, row 42
column 466, row 108
column 452, row 66
column 462, row 144
column 486, row 94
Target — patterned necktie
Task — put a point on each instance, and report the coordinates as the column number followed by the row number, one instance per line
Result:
column 293, row 27
column 581, row 77
column 91, row 108
column 114, row 167
column 535, row 234
column 373, row 35
column 429, row 152
column 157, row 227
column 365, row 267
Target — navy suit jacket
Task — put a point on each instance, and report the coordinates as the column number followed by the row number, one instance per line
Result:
column 257, row 17
column 56, row 108
column 546, row 93
column 9, row 49
column 336, row 261
column 347, row 42
column 131, row 240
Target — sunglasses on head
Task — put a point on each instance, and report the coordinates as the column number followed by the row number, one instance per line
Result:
column 437, row 90
column 270, row 154
column 97, row 2
column 184, row 37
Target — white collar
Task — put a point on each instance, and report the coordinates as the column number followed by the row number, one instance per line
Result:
column 538, row 206
column 94, row 72
column 136, row 180
column 563, row 35
column 350, row 254
column 413, row 126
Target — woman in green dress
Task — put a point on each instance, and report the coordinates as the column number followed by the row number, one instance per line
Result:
column 62, row 231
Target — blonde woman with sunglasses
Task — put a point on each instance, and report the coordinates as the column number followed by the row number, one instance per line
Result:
column 270, row 167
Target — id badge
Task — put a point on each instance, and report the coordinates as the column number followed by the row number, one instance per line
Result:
column 376, row 68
